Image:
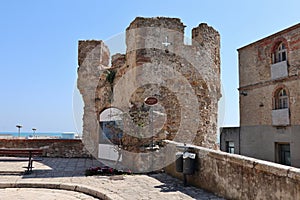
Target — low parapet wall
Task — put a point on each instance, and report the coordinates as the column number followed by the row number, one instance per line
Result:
column 66, row 148
column 239, row 177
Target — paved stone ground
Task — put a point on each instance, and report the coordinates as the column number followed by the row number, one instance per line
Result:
column 68, row 176
column 42, row 194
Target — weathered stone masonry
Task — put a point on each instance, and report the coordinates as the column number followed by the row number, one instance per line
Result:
column 64, row 148
column 184, row 78
column 239, row 177
column 262, row 77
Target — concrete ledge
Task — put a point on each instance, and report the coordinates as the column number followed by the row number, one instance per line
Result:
column 294, row 173
column 94, row 192
column 239, row 177
column 240, row 160
column 272, row 168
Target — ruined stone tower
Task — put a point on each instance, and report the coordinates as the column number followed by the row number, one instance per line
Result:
column 184, row 79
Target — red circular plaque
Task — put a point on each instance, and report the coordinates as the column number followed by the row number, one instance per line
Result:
column 151, row 101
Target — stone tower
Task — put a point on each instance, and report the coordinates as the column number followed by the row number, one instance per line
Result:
column 184, row 79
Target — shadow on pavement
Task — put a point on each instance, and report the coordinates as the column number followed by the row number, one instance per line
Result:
column 50, row 167
column 170, row 184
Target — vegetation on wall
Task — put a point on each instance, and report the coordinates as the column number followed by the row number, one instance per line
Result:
column 110, row 75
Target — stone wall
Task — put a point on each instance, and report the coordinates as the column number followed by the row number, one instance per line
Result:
column 238, row 177
column 256, row 58
column 255, row 79
column 64, row 148
column 265, row 126
column 184, row 78
column 256, row 108
column 93, row 57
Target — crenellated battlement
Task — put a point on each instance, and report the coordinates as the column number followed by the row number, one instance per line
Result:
column 168, row 33
column 162, row 22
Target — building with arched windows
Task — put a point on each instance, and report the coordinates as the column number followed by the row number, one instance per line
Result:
column 269, row 86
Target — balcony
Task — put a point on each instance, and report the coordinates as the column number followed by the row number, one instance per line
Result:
column 280, row 117
column 279, row 70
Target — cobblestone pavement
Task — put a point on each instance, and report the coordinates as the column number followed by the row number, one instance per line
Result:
column 68, row 176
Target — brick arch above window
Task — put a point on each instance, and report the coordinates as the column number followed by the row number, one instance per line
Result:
column 280, row 50
column 280, row 97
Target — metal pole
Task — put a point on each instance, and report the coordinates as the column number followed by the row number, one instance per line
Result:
column 33, row 129
column 184, row 175
column 184, row 180
column 19, row 127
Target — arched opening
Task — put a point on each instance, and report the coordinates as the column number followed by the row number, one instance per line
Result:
column 280, row 53
column 281, row 99
column 111, row 125
column 110, row 138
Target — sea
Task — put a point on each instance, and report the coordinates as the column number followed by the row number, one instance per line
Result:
column 37, row 134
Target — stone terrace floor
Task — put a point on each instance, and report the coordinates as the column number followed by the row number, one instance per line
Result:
column 63, row 178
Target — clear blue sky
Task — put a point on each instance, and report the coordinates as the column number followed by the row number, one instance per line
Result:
column 38, row 47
